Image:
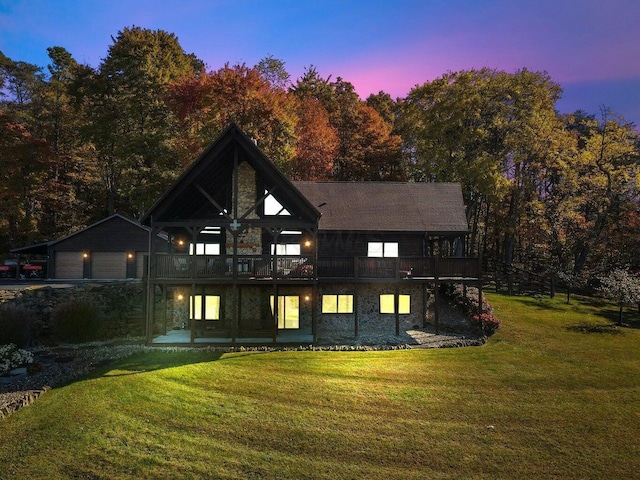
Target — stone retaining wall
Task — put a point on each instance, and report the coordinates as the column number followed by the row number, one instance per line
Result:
column 121, row 304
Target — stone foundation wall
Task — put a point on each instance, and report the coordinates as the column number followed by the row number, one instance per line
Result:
column 254, row 306
column 370, row 321
column 120, row 303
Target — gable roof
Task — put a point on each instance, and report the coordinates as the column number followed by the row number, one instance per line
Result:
column 43, row 248
column 437, row 208
column 210, row 175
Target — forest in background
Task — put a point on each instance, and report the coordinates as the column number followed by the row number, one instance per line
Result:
column 546, row 191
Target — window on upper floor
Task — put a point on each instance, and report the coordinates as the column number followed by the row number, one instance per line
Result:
column 204, row 249
column 382, row 249
column 273, row 207
column 285, row 249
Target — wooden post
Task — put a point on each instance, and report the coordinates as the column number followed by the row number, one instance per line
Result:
column 424, row 305
column 314, row 312
column 236, row 310
column 480, row 297
column 275, row 311
column 436, row 307
column 164, row 312
column 235, row 325
column 356, row 316
column 192, row 311
column 396, row 301
column 150, row 284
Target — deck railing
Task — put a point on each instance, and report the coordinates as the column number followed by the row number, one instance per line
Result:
column 177, row 266
column 215, row 266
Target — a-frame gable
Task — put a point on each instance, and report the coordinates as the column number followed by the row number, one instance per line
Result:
column 205, row 191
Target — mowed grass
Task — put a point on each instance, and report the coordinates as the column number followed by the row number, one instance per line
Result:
column 540, row 400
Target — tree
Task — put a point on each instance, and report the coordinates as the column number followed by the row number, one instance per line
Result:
column 24, row 161
column 132, row 127
column 597, row 191
column 491, row 131
column 621, row 286
column 384, row 105
column 367, row 147
column 205, row 106
column 316, row 142
column 273, row 71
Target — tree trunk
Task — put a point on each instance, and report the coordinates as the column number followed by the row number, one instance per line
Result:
column 620, row 315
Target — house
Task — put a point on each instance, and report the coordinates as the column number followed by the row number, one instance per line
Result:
column 113, row 248
column 253, row 257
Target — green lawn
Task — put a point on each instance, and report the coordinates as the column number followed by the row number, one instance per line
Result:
column 539, row 400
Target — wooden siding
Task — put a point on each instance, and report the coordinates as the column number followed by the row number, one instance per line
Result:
column 355, row 244
column 113, row 235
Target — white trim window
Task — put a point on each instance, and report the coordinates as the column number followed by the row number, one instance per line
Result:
column 382, row 249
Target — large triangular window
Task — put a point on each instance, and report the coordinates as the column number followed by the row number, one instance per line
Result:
column 273, row 207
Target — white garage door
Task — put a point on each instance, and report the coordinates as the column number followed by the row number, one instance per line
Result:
column 108, row 265
column 68, row 265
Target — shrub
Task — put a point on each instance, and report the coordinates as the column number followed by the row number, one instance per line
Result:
column 486, row 321
column 11, row 357
column 76, row 321
column 469, row 304
column 16, row 325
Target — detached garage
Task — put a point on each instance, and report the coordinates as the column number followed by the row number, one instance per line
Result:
column 110, row 249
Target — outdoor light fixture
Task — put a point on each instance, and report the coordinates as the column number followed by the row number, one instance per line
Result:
column 307, row 298
column 130, row 255
column 85, row 255
column 307, row 243
column 180, row 297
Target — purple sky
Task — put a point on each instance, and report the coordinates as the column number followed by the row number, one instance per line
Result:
column 590, row 47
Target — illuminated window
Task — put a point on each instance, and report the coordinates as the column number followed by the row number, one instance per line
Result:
column 273, row 206
column 204, row 307
column 337, row 303
column 205, row 249
column 288, row 311
column 286, row 249
column 383, row 249
column 387, row 304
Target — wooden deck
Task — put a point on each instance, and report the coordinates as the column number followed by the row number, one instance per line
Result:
column 265, row 267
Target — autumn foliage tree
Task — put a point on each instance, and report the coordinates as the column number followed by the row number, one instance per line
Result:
column 316, row 142
column 206, row 103
column 543, row 191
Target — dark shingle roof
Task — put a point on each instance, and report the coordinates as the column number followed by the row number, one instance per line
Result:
column 387, row 206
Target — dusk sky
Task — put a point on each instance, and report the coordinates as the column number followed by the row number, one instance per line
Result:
column 592, row 48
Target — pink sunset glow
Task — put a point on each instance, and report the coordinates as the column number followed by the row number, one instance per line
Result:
column 589, row 47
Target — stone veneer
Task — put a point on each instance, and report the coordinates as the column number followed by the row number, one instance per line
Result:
column 370, row 320
column 254, row 306
column 120, row 302
column 249, row 239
